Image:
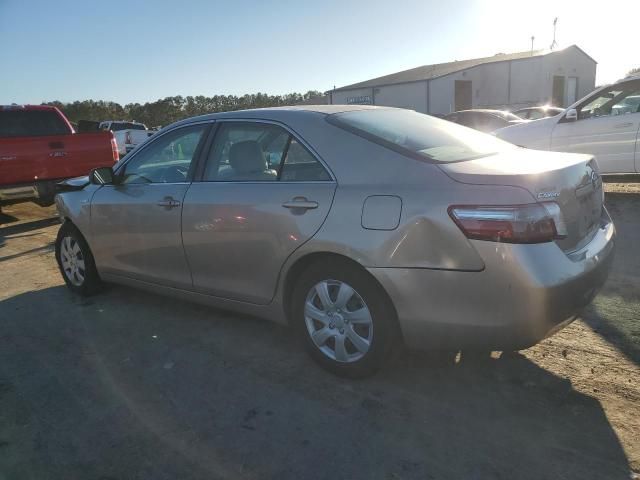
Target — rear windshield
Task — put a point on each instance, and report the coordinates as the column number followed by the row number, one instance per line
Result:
column 31, row 123
column 420, row 135
column 510, row 116
column 127, row 126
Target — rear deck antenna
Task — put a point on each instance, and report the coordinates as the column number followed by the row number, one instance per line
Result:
column 554, row 44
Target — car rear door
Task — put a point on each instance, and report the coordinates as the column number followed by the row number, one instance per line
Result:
column 135, row 224
column 603, row 129
column 262, row 194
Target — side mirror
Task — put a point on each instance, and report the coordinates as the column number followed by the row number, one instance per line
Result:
column 102, row 176
column 571, row 115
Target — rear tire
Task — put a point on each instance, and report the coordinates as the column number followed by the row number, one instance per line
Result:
column 75, row 261
column 344, row 318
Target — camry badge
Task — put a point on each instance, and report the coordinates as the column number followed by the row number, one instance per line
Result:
column 543, row 195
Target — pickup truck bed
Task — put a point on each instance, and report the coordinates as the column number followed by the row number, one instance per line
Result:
column 38, row 148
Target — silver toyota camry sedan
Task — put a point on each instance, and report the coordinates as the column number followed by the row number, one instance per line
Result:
column 359, row 227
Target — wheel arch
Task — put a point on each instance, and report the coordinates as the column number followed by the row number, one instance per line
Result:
column 304, row 262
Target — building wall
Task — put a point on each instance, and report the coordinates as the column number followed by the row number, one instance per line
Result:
column 569, row 63
column 489, row 87
column 528, row 85
column 408, row 95
column 531, row 84
column 347, row 96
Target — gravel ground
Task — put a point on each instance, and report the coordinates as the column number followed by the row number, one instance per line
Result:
column 128, row 385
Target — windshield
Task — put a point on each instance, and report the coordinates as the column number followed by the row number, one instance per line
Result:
column 420, row 135
column 510, row 116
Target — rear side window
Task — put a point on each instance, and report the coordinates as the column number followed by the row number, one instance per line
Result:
column 260, row 152
column 420, row 136
column 31, row 123
column 300, row 166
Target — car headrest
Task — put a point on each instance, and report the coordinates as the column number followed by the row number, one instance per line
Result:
column 247, row 157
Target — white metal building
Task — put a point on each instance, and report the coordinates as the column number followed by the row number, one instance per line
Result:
column 505, row 80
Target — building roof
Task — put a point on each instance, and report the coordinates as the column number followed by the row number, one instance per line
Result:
column 427, row 72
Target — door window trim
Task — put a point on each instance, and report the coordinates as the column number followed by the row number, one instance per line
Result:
column 195, row 161
column 199, row 177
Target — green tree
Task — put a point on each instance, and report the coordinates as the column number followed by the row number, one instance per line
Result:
column 171, row 109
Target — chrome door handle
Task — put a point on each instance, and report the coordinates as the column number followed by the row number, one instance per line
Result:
column 168, row 202
column 300, row 202
column 623, row 125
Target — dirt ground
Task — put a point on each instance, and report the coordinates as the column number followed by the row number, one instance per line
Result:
column 128, row 385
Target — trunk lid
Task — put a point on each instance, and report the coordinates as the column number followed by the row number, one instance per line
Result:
column 571, row 180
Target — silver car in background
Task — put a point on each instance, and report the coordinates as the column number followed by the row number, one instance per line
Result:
column 356, row 226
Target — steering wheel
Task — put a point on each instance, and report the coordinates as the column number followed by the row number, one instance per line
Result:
column 175, row 174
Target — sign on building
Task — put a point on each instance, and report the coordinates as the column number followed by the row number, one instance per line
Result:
column 360, row 100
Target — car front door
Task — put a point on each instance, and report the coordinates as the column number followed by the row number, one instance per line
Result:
column 604, row 128
column 135, row 223
column 261, row 195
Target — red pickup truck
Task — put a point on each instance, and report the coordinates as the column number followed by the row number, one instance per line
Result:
column 38, row 148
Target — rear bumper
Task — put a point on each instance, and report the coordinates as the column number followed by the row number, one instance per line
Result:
column 525, row 294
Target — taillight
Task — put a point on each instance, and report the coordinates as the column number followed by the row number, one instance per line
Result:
column 529, row 223
column 114, row 149
column 127, row 137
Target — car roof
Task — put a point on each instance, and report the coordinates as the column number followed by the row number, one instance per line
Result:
column 282, row 113
column 27, row 107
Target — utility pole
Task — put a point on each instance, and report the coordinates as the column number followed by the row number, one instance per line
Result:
column 554, row 44
column 532, row 39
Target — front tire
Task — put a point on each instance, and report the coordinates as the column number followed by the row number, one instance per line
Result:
column 344, row 317
column 75, row 261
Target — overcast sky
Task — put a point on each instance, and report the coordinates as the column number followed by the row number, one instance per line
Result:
column 136, row 51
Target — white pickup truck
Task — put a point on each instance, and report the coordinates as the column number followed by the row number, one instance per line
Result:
column 127, row 134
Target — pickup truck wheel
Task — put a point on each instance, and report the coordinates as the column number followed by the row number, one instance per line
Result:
column 75, row 261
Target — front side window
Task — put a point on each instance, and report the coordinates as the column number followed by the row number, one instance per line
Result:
column 166, row 159
column 418, row 135
column 616, row 100
column 260, row 152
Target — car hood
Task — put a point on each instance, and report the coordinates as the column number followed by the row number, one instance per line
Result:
column 533, row 134
column 70, row 184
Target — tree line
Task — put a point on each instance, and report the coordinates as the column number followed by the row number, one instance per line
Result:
column 171, row 109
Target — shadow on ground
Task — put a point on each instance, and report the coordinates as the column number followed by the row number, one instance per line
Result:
column 614, row 313
column 131, row 385
column 21, row 230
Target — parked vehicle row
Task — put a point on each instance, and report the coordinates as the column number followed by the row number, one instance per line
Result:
column 356, row 226
column 536, row 113
column 486, row 120
column 128, row 135
column 483, row 120
column 38, row 147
